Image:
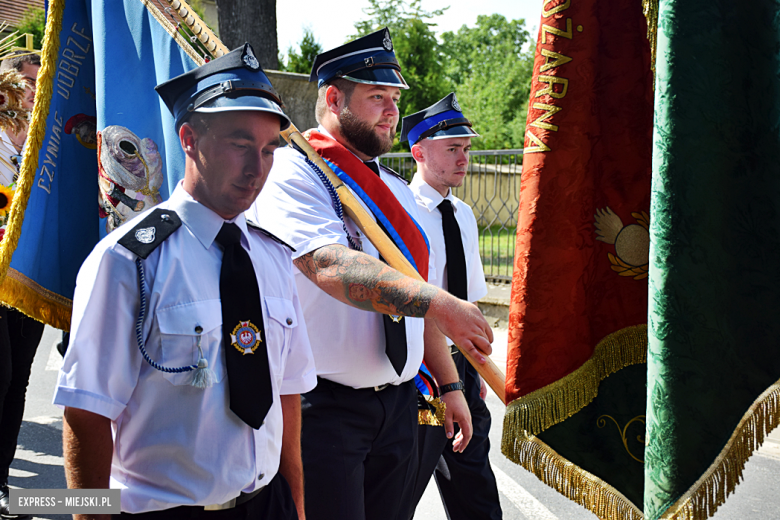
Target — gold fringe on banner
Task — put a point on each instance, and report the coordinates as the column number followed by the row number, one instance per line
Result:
column 535, row 412
column 16, row 295
column 650, row 10
column 22, row 293
column 570, row 480
column 721, row 478
column 426, row 417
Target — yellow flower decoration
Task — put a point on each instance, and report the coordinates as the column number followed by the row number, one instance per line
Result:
column 6, row 197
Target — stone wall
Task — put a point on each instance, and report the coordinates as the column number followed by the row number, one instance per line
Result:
column 299, row 97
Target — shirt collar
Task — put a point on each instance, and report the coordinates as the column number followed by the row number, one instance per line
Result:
column 201, row 221
column 428, row 195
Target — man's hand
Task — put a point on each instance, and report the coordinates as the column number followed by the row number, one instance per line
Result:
column 482, row 389
column 457, row 412
column 463, row 323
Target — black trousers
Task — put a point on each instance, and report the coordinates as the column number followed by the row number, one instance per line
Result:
column 275, row 501
column 465, row 480
column 358, row 449
column 19, row 338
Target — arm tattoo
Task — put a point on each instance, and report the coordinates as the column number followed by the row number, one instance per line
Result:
column 364, row 282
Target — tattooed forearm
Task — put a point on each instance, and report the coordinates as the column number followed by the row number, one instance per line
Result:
column 364, row 282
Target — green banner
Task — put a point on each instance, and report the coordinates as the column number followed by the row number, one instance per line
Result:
column 714, row 281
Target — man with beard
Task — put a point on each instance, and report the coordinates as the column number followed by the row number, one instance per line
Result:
column 364, row 318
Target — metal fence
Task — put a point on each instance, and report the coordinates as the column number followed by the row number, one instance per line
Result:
column 491, row 188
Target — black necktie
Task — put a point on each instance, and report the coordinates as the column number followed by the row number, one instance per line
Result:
column 453, row 245
column 373, row 167
column 243, row 331
column 395, row 328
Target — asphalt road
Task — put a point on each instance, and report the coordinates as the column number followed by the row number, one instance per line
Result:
column 38, row 463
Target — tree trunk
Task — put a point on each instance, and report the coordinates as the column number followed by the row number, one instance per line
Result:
column 252, row 21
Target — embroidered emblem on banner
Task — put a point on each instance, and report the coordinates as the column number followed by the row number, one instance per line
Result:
column 245, row 337
column 632, row 242
column 387, row 43
column 145, row 235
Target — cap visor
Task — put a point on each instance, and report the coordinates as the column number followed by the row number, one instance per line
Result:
column 242, row 103
column 455, row 131
column 378, row 76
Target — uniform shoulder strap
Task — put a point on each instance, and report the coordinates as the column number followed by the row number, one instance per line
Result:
column 390, row 170
column 152, row 231
column 269, row 234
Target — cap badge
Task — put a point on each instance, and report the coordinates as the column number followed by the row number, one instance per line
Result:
column 455, row 104
column 249, row 59
column 387, row 43
column 145, row 235
column 245, row 337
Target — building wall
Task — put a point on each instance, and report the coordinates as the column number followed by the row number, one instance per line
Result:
column 299, row 97
column 12, row 11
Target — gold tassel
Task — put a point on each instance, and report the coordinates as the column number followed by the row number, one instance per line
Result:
column 43, row 94
column 535, row 412
column 721, row 478
column 570, row 480
column 426, row 417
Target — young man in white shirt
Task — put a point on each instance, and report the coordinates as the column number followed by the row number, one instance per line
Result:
column 440, row 138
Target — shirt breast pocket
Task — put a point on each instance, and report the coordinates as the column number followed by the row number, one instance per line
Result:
column 282, row 323
column 180, row 328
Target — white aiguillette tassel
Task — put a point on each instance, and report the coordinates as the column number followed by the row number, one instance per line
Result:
column 203, row 376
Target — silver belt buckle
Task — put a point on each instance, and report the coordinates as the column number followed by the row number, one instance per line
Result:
column 381, row 387
column 230, row 504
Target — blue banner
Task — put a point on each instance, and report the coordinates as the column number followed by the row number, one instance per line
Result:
column 109, row 150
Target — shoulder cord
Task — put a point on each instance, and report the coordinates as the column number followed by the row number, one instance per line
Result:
column 336, row 201
column 139, row 326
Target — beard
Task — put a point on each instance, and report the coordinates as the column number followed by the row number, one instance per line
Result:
column 362, row 136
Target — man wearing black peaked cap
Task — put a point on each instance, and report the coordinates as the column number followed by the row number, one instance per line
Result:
column 359, row 435
column 440, row 139
column 188, row 351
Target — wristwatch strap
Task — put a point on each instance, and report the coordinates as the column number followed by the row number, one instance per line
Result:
column 452, row 387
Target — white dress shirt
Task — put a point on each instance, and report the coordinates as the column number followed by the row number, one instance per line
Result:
column 175, row 444
column 428, row 200
column 348, row 343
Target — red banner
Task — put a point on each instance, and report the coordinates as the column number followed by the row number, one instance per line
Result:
column 581, row 258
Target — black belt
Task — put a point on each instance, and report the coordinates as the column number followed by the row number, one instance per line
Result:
column 186, row 511
column 327, row 383
column 230, row 504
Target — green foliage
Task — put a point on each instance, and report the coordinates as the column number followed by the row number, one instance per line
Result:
column 308, row 49
column 197, row 6
column 33, row 22
column 492, row 68
column 392, row 14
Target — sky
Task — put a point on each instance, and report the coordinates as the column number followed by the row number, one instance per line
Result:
column 332, row 22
